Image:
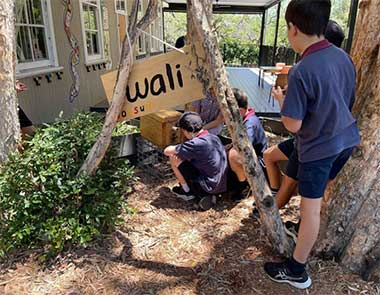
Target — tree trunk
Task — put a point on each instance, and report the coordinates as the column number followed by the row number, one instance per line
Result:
column 9, row 124
column 350, row 228
column 99, row 149
column 211, row 72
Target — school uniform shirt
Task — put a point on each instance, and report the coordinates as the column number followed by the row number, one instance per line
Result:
column 255, row 131
column 206, row 153
column 208, row 109
column 321, row 93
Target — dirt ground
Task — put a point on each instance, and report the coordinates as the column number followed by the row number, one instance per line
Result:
column 169, row 247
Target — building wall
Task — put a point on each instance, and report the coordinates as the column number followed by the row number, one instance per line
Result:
column 44, row 102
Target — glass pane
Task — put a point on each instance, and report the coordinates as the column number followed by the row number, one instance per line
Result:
column 88, row 44
column 35, row 12
column 122, row 5
column 23, row 49
column 93, row 25
column 39, row 43
column 95, row 43
column 20, row 12
column 86, row 17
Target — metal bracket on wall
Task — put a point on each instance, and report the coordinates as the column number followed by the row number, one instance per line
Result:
column 49, row 77
column 59, row 75
column 37, row 80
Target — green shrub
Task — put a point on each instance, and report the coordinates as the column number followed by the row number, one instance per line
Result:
column 238, row 52
column 44, row 203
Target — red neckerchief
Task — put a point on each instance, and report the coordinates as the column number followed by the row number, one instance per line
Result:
column 316, row 47
column 204, row 132
column 249, row 113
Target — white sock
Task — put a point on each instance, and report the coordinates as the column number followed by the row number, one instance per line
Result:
column 185, row 187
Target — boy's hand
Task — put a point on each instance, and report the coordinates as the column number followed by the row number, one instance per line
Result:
column 278, row 94
column 175, row 160
column 20, row 87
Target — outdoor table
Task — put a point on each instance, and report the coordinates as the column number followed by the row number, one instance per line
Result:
column 267, row 69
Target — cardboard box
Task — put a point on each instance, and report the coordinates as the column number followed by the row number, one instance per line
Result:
column 158, row 128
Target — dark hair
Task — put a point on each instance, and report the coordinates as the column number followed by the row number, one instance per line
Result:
column 334, row 33
column 241, row 98
column 309, row 16
column 190, row 121
column 181, row 41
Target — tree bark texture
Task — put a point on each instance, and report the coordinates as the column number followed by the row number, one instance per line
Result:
column 99, row 149
column 9, row 124
column 350, row 228
column 211, row 72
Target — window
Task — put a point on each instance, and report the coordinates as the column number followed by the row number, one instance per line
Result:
column 92, row 31
column 35, row 46
column 121, row 7
column 156, row 30
column 141, row 42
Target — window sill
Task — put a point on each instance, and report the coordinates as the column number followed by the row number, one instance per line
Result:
column 95, row 62
column 37, row 71
column 141, row 56
column 156, row 52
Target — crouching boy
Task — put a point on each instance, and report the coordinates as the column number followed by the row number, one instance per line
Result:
column 199, row 164
column 256, row 135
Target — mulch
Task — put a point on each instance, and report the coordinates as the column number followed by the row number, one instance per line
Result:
column 170, row 247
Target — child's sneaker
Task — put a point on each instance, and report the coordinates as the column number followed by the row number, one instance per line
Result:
column 290, row 225
column 180, row 193
column 281, row 273
column 207, row 202
column 291, row 229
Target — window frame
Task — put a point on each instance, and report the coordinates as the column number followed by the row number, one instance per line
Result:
column 122, row 12
column 96, row 58
column 142, row 37
column 156, row 30
column 52, row 60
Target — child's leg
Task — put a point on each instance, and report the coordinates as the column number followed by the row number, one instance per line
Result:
column 289, row 182
column 175, row 162
column 309, row 228
column 271, row 156
column 288, row 185
column 236, row 164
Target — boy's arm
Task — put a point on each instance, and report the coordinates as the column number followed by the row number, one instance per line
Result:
column 293, row 125
column 170, row 151
column 213, row 124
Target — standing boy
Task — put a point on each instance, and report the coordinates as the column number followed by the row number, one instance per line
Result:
column 317, row 105
column 283, row 151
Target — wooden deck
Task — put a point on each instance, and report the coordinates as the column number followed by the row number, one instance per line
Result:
column 246, row 79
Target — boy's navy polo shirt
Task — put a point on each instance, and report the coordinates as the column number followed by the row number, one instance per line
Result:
column 255, row 131
column 321, row 93
column 206, row 153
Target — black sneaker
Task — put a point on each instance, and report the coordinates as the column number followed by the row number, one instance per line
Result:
column 292, row 226
column 207, row 202
column 280, row 273
column 187, row 196
column 243, row 191
column 255, row 214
